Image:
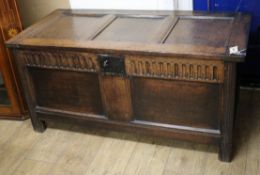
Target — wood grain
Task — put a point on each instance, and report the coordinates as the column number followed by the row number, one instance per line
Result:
column 73, row 61
column 32, row 167
column 175, row 69
column 116, row 97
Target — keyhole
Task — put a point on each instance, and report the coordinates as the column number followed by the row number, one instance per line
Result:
column 105, row 63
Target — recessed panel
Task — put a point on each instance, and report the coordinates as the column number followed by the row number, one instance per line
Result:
column 67, row 90
column 176, row 102
column 74, row 27
column 131, row 29
column 201, row 31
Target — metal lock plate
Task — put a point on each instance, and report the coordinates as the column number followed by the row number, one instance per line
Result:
column 112, row 65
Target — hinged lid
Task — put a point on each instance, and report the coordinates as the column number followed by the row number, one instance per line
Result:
column 206, row 35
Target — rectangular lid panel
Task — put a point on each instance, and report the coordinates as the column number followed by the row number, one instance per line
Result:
column 212, row 32
column 75, row 27
column 132, row 29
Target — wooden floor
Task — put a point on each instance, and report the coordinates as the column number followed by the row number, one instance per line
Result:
column 65, row 152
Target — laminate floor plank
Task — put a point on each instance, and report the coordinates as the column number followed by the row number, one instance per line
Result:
column 79, row 155
column 213, row 166
column 109, row 155
column 238, row 165
column 51, row 145
column 253, row 136
column 16, row 148
column 200, row 156
column 173, row 162
column 242, row 128
column 186, row 158
column 120, row 154
column 7, row 130
column 33, row 167
column 158, row 162
column 141, row 157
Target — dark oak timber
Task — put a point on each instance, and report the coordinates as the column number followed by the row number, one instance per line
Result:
column 158, row 73
column 228, row 102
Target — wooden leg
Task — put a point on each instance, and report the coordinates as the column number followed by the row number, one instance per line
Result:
column 28, row 89
column 225, row 151
column 227, row 114
column 39, row 126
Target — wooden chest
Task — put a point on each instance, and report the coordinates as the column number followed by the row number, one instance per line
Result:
column 169, row 74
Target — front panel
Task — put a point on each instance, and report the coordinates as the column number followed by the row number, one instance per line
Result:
column 65, row 81
column 175, row 91
column 67, row 90
column 176, row 102
column 154, row 91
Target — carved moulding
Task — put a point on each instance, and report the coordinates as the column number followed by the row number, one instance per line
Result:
column 175, row 68
column 75, row 61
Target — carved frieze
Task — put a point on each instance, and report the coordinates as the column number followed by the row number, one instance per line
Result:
column 174, row 68
column 75, row 61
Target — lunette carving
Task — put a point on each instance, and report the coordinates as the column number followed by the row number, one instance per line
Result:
column 174, row 68
column 62, row 60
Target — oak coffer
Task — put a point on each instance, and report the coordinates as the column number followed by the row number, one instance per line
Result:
column 160, row 73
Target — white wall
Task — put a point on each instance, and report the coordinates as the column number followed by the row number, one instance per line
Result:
column 33, row 10
column 132, row 4
column 183, row 4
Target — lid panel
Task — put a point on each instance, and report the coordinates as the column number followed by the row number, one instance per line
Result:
column 212, row 32
column 73, row 27
column 132, row 29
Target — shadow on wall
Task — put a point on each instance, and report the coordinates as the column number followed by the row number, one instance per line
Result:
column 33, row 10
